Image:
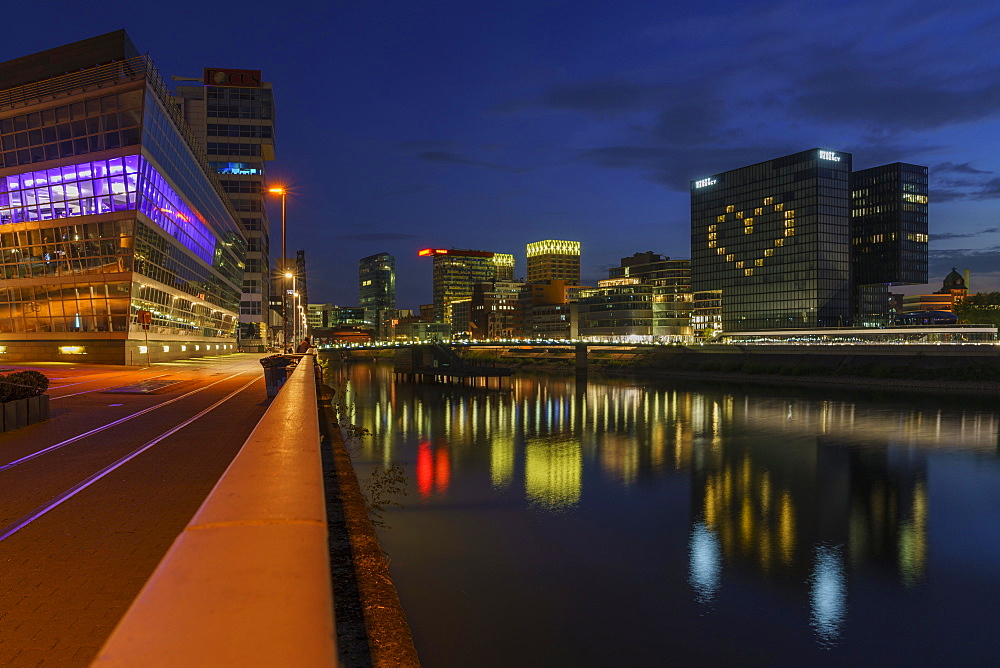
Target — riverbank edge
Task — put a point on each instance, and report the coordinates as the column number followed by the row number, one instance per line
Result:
column 372, row 629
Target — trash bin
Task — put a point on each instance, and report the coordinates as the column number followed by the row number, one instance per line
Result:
column 274, row 373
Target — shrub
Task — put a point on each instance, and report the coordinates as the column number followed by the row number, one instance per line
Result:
column 22, row 385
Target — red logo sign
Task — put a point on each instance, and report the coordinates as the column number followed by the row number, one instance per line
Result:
column 236, row 78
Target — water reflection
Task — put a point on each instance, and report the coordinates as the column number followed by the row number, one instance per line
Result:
column 801, row 495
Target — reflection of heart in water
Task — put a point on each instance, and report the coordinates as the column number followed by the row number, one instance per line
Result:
column 788, row 218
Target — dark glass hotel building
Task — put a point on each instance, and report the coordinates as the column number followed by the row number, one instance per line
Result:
column 108, row 209
column 801, row 241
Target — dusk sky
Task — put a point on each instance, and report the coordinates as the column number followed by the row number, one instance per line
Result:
column 402, row 125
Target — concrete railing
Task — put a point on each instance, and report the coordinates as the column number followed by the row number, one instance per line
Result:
column 247, row 583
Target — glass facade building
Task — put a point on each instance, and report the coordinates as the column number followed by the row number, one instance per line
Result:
column 775, row 238
column 377, row 290
column 235, row 123
column 456, row 272
column 108, row 208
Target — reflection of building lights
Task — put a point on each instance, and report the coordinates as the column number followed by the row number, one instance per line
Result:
column 913, row 539
column 705, row 571
column 553, row 472
column 501, row 461
column 828, row 595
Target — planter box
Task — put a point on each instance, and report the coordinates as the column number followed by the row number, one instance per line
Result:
column 22, row 412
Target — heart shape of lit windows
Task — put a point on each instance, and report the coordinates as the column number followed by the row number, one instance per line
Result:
column 768, row 208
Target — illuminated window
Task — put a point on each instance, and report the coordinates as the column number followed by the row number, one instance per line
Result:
column 748, row 272
column 779, row 242
column 779, row 207
column 910, row 197
column 759, row 262
column 721, row 219
column 790, row 232
column 739, row 214
column 768, row 200
column 768, row 252
column 789, row 223
column 712, row 228
column 730, row 208
column 712, row 235
column 739, row 265
column 720, row 251
column 711, row 244
column 758, row 211
column 748, row 229
column 730, row 257
column 790, row 214
column 748, row 221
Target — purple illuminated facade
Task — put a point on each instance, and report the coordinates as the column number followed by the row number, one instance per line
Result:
column 104, row 186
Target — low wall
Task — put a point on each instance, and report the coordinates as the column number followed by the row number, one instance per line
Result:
column 247, row 583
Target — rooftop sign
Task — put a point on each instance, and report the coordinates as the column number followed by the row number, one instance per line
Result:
column 235, row 78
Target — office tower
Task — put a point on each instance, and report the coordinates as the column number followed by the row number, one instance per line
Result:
column 232, row 113
column 377, row 290
column 888, row 236
column 775, row 238
column 554, row 260
column 322, row 316
column 109, row 214
column 505, row 266
column 456, row 271
column 497, row 311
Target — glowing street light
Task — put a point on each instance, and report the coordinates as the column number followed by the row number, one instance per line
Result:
column 284, row 285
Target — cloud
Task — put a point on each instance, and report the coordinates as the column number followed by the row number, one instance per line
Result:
column 963, row 168
column 597, row 97
column 377, row 236
column 457, row 159
column 955, row 235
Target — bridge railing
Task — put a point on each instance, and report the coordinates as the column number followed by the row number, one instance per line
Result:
column 248, row 580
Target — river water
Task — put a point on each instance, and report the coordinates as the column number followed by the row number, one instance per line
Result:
column 620, row 522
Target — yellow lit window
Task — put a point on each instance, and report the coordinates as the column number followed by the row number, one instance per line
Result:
column 713, row 235
column 790, row 214
column 730, row 257
column 739, row 214
column 748, row 229
column 779, row 206
column 789, row 223
column 721, row 219
column 720, row 251
column 779, row 242
column 739, row 265
column 758, row 211
column 748, row 272
column 748, row 221
column 730, row 208
column 711, row 244
column 711, row 228
column 759, row 262
column 768, row 201
column 768, row 252
column 790, row 232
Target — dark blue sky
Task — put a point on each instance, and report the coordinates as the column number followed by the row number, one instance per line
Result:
column 491, row 125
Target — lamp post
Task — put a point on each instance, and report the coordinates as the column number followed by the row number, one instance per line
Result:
column 284, row 312
column 284, row 284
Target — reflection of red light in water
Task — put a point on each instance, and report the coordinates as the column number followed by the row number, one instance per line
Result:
column 425, row 469
column 442, row 469
column 433, row 468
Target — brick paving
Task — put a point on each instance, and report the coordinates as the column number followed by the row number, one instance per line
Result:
column 68, row 577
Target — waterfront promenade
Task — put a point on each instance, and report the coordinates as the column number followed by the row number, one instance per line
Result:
column 93, row 498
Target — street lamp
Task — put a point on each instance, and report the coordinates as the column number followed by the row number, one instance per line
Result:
column 284, row 285
column 284, row 307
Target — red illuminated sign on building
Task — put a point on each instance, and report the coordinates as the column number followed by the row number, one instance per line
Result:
column 423, row 252
column 236, row 78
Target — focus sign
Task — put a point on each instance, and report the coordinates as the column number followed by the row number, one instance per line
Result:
column 236, row 78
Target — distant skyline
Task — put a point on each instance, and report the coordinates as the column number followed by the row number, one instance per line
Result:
column 404, row 125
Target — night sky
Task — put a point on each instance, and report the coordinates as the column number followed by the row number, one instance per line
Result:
column 483, row 125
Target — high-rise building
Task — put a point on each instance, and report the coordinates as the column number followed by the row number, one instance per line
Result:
column 554, row 260
column 456, row 271
column 775, row 239
column 377, row 290
column 505, row 266
column 802, row 242
column 110, row 214
column 232, row 113
column 888, row 236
